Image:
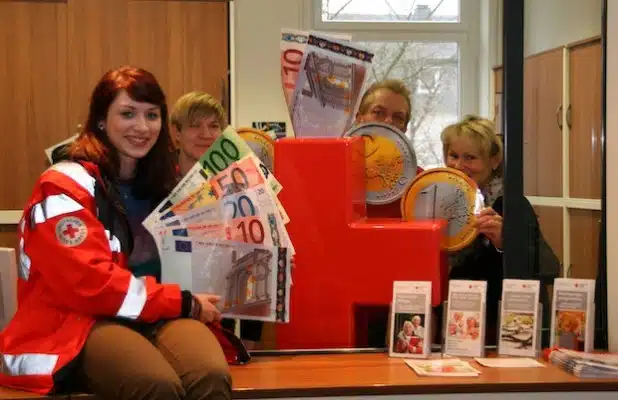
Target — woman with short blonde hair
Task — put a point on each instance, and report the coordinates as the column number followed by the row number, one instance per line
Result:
column 473, row 147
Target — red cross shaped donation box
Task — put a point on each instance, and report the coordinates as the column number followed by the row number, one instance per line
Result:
column 344, row 260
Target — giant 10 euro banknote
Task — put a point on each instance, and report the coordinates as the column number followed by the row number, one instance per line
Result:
column 329, row 86
column 293, row 43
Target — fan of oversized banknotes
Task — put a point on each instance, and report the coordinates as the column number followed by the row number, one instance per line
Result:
column 222, row 231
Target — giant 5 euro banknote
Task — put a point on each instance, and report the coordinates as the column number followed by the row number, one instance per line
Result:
column 329, row 87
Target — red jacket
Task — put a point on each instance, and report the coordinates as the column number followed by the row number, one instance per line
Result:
column 71, row 272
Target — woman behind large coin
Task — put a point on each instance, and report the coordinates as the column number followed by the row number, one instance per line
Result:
column 386, row 101
column 472, row 146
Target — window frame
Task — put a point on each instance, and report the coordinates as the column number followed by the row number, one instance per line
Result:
column 466, row 20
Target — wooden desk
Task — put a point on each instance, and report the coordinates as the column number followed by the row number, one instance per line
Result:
column 378, row 375
column 371, row 375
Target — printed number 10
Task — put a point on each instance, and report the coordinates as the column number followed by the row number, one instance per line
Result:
column 253, row 230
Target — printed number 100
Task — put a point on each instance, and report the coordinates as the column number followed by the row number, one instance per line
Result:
column 216, row 161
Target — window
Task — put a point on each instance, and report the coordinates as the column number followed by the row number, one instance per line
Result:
column 429, row 44
column 431, row 71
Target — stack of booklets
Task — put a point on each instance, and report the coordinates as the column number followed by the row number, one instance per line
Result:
column 222, row 231
column 585, row 365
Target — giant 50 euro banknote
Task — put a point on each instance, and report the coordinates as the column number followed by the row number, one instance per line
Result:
column 252, row 280
column 229, row 148
column 292, row 45
column 329, row 87
column 245, row 173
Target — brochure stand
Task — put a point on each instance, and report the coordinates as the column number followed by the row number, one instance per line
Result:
column 538, row 331
column 443, row 349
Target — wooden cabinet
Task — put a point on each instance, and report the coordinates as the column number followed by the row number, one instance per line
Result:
column 53, row 53
column 562, row 149
column 584, row 119
column 552, row 227
column 542, row 133
column 585, row 229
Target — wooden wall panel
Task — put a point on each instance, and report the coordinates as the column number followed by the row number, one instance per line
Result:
column 98, row 42
column 585, row 230
column 184, row 43
column 585, row 139
column 33, row 95
column 53, row 52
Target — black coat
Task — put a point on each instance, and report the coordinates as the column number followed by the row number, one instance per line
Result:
column 484, row 263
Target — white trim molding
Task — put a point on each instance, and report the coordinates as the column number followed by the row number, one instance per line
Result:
column 582, row 204
column 10, row 217
column 611, row 177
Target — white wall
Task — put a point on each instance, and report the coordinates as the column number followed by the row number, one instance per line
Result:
column 552, row 23
column 611, row 141
column 256, row 79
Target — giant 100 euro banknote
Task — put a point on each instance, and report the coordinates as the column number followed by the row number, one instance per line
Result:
column 195, row 189
column 292, row 45
column 329, row 85
column 252, row 280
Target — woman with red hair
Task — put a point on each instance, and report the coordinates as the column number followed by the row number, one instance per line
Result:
column 91, row 312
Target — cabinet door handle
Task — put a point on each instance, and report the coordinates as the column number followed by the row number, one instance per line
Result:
column 568, row 116
column 559, row 116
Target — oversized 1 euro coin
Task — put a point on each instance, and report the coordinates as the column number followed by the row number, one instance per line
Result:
column 261, row 143
column 445, row 193
column 390, row 162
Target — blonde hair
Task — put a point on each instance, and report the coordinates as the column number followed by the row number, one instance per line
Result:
column 481, row 131
column 193, row 106
column 394, row 85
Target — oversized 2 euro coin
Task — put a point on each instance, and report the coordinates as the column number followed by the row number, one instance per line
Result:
column 390, row 162
column 445, row 193
column 261, row 143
